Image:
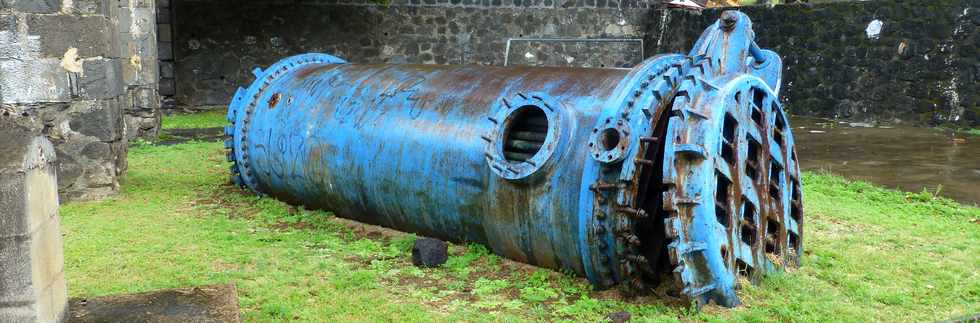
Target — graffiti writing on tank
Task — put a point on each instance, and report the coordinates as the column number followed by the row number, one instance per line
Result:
column 359, row 110
column 281, row 144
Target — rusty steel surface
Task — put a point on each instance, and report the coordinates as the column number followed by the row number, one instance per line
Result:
column 680, row 171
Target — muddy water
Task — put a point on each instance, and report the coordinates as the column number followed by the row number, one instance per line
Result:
column 910, row 159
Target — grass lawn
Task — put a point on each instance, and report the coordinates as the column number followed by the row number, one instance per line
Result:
column 870, row 254
column 206, row 119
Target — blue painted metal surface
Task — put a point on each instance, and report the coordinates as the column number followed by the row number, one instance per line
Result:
column 680, row 171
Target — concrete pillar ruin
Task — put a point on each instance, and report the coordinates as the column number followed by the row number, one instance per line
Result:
column 32, row 279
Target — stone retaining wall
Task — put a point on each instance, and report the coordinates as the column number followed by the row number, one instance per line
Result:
column 921, row 68
column 85, row 73
column 217, row 45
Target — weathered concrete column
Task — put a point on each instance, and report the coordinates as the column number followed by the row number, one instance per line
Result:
column 32, row 279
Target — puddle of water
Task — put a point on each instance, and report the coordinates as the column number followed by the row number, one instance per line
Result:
column 905, row 158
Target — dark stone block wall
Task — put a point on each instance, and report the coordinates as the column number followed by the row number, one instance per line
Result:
column 165, row 51
column 83, row 73
column 922, row 68
column 217, row 45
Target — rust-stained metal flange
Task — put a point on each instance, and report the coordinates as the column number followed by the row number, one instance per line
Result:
column 732, row 181
column 241, row 108
column 526, row 131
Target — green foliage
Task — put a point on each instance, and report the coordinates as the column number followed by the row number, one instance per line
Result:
column 461, row 266
column 140, row 143
column 484, row 286
column 538, row 293
column 902, row 203
column 356, row 280
column 206, row 119
column 870, row 254
column 402, row 244
column 584, row 307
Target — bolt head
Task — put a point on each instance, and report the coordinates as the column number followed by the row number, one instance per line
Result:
column 729, row 19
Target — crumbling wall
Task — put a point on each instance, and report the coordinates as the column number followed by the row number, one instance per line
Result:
column 32, row 279
column 887, row 61
column 136, row 28
column 217, row 44
column 79, row 71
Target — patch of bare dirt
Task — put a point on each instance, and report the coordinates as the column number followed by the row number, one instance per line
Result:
column 213, row 303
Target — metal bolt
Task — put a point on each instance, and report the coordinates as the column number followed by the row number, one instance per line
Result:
column 641, row 161
column 632, row 239
column 728, row 20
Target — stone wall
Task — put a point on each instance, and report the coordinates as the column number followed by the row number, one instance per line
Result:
column 218, row 45
column 32, row 278
column 135, row 22
column 84, row 72
column 922, row 67
column 165, row 51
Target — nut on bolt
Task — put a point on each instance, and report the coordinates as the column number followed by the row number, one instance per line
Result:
column 729, row 19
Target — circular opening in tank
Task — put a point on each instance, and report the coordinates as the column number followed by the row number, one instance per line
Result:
column 609, row 139
column 525, row 133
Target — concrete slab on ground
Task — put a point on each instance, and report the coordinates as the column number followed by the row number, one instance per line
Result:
column 212, row 303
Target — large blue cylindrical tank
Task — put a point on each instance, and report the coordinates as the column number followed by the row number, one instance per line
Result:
column 404, row 146
column 596, row 171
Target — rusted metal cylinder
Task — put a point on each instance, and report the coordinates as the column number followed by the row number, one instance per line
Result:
column 587, row 170
column 404, row 146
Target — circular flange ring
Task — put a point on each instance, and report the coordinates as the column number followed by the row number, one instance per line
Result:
column 243, row 105
column 609, row 142
column 504, row 118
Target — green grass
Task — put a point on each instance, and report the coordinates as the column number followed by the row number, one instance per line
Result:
column 206, row 119
column 971, row 131
column 870, row 254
